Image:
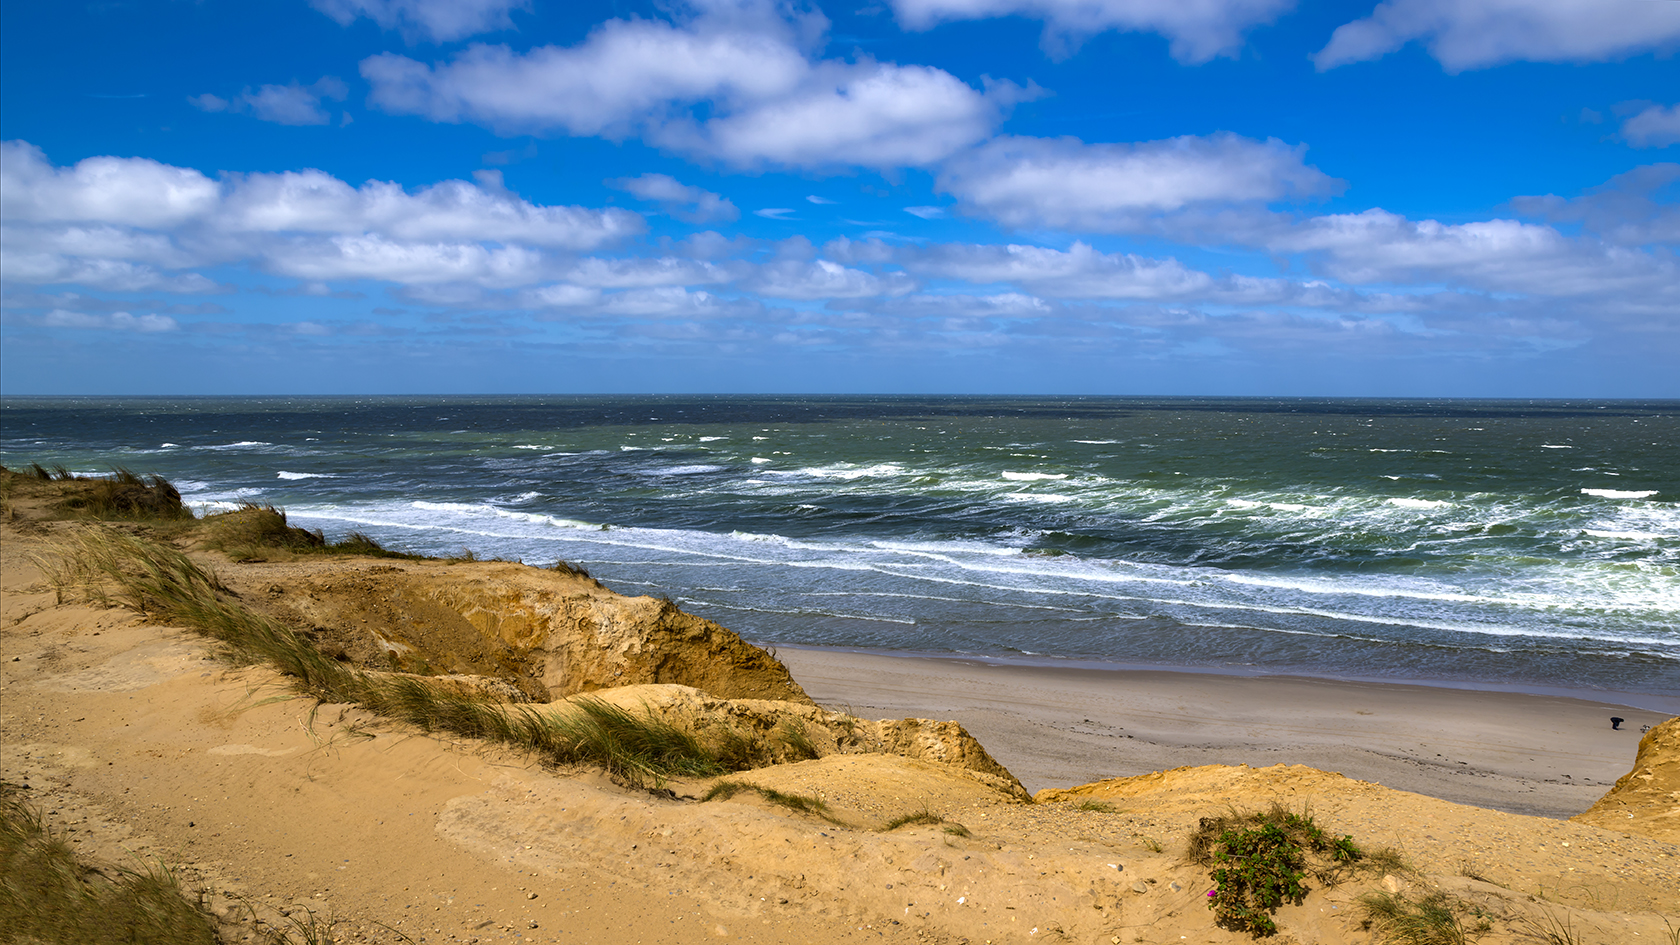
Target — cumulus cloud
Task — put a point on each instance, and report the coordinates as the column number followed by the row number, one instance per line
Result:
column 1494, row 255
column 766, row 101
column 1064, row 182
column 823, row 279
column 292, row 104
column 114, row 321
column 1078, row 272
column 437, row 20
column 686, row 203
column 1654, row 127
column 1196, row 31
column 116, row 222
column 1475, row 34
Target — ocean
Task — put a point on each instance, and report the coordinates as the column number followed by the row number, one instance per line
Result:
column 1530, row 545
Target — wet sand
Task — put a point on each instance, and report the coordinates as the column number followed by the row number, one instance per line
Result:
column 1057, row 727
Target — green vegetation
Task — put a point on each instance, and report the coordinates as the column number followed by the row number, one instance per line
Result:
column 1434, row 919
column 165, row 584
column 798, row 741
column 254, row 532
column 1260, row 860
column 1096, row 807
column 918, row 818
column 48, row 896
column 121, row 495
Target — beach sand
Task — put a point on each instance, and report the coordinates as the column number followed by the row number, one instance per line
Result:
column 1055, row 727
column 139, row 743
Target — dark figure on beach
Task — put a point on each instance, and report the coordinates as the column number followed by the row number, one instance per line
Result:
column 1616, row 723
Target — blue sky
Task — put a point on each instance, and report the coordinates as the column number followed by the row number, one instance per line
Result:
column 1287, row 197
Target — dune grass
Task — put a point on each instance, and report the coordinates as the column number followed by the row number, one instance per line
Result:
column 47, row 895
column 1433, row 919
column 166, row 585
column 256, row 532
column 122, row 495
column 803, row 803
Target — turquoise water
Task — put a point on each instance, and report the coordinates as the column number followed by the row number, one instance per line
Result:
column 1527, row 544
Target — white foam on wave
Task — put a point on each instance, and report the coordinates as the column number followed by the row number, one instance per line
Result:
column 1037, row 497
column 1555, row 446
column 760, row 460
column 1620, row 493
column 1031, row 477
column 531, row 446
column 1098, row 442
column 712, row 439
column 692, row 470
column 848, row 473
column 241, row 445
column 1629, row 536
column 1420, row 503
column 283, row 474
column 167, row 446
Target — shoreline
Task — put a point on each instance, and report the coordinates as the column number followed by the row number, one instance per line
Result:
column 1645, row 701
column 1518, row 752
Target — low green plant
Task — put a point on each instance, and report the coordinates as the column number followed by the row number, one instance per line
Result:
column 48, row 895
column 1434, row 919
column 1260, row 860
column 1096, row 807
column 957, row 830
column 1151, row 844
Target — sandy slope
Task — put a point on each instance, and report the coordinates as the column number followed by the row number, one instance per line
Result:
column 132, row 735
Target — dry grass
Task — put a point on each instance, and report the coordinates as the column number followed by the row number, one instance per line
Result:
column 1434, row 919
column 47, row 895
column 166, row 585
column 123, row 495
column 803, row 803
column 255, row 532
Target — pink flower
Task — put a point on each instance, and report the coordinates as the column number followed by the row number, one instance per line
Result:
column 1211, row 893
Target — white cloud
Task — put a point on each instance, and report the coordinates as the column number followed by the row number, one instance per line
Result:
column 561, row 296
column 437, row 20
column 926, row 213
column 1197, row 31
column 766, row 101
column 113, row 223
column 1496, row 255
column 111, row 275
column 1654, row 127
column 118, row 191
column 1064, row 182
column 642, row 272
column 1474, row 34
column 813, row 198
column 292, row 104
column 114, row 321
column 686, row 203
column 316, row 202
column 774, row 213
column 870, row 114
column 822, row 279
column 1078, row 272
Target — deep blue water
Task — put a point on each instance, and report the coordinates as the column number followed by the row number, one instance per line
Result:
column 1514, row 543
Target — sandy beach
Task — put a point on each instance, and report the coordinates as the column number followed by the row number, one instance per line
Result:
column 1522, row 753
